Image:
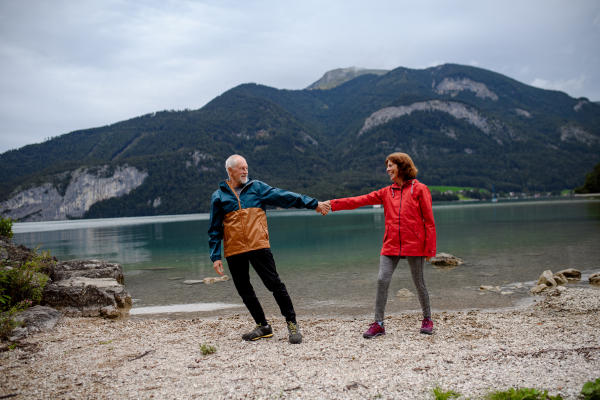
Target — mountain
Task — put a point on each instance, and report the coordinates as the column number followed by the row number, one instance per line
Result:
column 462, row 125
column 338, row 76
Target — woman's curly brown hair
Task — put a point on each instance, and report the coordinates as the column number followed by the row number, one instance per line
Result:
column 406, row 166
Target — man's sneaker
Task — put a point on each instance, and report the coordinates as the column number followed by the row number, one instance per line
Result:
column 427, row 326
column 260, row 331
column 295, row 335
column 374, row 330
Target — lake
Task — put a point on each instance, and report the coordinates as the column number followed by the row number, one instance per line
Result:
column 330, row 264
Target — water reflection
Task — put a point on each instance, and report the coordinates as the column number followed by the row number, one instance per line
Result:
column 117, row 244
column 593, row 210
column 330, row 264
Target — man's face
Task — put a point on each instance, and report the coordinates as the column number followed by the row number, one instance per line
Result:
column 239, row 174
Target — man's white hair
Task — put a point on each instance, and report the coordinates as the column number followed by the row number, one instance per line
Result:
column 231, row 162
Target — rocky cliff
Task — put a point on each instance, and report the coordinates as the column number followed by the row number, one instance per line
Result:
column 338, row 76
column 457, row 110
column 455, row 85
column 84, row 188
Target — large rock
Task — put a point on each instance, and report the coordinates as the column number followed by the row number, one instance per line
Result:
column 210, row 281
column 595, row 278
column 405, row 294
column 570, row 273
column 490, row 288
column 445, row 259
column 539, row 289
column 88, row 297
column 88, row 268
column 547, row 279
column 35, row 319
column 88, row 288
column 5, row 242
column 557, row 291
column 560, row 279
column 207, row 281
column 20, row 253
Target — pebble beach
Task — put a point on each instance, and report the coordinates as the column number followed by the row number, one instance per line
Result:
column 553, row 344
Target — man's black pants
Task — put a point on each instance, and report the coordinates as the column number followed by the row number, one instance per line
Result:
column 263, row 263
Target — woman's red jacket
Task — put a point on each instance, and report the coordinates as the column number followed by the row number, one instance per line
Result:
column 409, row 224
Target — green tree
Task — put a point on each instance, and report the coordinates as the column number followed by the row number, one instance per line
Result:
column 6, row 225
column 592, row 182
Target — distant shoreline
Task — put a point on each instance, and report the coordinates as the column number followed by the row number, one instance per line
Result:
column 49, row 226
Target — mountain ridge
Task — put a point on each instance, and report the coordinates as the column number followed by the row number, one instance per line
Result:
column 338, row 76
column 462, row 125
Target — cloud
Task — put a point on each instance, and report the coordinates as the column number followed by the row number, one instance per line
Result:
column 568, row 86
column 75, row 65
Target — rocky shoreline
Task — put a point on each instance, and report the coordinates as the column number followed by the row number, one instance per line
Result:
column 553, row 344
column 77, row 288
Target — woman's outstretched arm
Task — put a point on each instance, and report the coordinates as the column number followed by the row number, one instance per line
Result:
column 352, row 203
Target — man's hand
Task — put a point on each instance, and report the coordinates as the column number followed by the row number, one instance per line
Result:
column 218, row 266
column 427, row 258
column 323, row 207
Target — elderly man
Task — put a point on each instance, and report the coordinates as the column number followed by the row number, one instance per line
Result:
column 238, row 218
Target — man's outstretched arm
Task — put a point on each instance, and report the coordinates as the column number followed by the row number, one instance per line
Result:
column 282, row 198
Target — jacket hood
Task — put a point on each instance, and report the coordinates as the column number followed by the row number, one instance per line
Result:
column 408, row 182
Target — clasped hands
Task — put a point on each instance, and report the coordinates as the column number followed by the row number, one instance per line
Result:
column 324, row 207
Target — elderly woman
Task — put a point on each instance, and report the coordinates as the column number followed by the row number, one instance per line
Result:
column 409, row 233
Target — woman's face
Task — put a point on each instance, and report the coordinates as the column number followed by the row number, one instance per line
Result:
column 392, row 170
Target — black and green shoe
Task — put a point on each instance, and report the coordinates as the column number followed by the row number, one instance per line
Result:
column 295, row 335
column 259, row 332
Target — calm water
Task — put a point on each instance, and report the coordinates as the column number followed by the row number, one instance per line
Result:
column 330, row 264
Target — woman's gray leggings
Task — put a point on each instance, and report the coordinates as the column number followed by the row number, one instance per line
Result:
column 387, row 265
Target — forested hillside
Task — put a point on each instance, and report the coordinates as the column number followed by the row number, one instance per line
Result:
column 462, row 125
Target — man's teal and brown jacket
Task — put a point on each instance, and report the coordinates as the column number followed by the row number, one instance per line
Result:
column 241, row 222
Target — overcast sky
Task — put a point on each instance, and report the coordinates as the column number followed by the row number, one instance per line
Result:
column 69, row 65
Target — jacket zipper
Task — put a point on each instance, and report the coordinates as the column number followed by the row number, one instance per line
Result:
column 235, row 194
column 400, row 212
column 400, row 223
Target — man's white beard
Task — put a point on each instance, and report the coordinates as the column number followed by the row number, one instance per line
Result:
column 243, row 181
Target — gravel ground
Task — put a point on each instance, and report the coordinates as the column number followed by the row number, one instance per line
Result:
column 553, row 344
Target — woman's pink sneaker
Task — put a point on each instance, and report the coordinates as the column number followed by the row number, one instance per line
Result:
column 374, row 330
column 427, row 326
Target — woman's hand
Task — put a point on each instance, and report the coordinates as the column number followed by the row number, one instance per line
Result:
column 427, row 258
column 324, row 207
